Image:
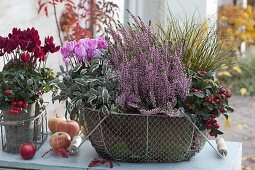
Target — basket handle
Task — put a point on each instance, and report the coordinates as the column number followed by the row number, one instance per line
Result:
column 221, row 147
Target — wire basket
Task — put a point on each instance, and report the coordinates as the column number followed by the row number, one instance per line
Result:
column 27, row 127
column 143, row 138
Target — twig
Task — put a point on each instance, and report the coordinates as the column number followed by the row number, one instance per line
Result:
column 56, row 19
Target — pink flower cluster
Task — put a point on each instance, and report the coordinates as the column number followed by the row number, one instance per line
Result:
column 83, row 50
column 26, row 45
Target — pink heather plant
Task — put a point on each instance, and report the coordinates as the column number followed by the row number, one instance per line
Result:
column 151, row 77
column 82, row 51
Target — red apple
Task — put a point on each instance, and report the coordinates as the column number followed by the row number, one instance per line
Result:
column 60, row 140
column 53, row 123
column 27, row 150
column 70, row 126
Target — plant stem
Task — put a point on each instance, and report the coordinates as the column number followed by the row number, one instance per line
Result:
column 56, row 19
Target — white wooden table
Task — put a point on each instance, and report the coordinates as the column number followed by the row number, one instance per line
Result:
column 206, row 160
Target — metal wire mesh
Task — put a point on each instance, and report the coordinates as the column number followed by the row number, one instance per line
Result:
column 143, row 138
column 28, row 129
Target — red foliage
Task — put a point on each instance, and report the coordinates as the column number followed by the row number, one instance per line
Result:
column 44, row 4
column 85, row 18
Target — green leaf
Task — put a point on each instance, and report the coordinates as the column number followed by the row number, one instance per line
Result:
column 62, row 69
column 77, row 67
column 61, row 85
column 93, row 91
column 200, row 95
column 105, row 96
column 81, row 82
column 208, row 92
column 230, row 109
column 29, row 82
column 91, row 98
column 54, row 81
column 218, row 132
column 105, row 110
column 94, row 67
column 83, row 71
column 209, row 75
column 79, row 104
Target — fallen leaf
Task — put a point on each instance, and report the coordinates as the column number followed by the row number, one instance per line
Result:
column 228, row 122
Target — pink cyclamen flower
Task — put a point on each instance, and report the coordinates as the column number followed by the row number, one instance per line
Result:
column 70, row 46
column 102, row 43
column 80, row 52
column 65, row 54
column 92, row 52
column 89, row 43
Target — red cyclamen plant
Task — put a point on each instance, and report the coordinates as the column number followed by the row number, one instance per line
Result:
column 24, row 76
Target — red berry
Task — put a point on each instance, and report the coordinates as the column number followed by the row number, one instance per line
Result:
column 212, row 133
column 20, row 103
column 14, row 103
column 217, row 101
column 209, row 100
column 222, row 90
column 209, row 126
column 11, row 111
column 209, row 121
column 196, row 90
column 213, row 116
column 222, row 96
column 7, row 92
column 25, row 104
column 19, row 109
column 215, row 125
column 228, row 93
column 202, row 73
column 15, row 111
column 223, row 110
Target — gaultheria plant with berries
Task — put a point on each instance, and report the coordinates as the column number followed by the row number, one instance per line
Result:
column 206, row 101
column 24, row 77
column 88, row 81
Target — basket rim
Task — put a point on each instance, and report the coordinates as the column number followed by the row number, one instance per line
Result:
column 177, row 115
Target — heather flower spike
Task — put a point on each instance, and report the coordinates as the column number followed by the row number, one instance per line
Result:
column 151, row 75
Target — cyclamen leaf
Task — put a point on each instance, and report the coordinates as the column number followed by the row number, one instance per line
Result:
column 105, row 96
column 62, row 69
column 94, row 67
column 83, row 71
column 105, row 110
column 79, row 104
column 77, row 67
column 91, row 98
column 80, row 81
column 93, row 91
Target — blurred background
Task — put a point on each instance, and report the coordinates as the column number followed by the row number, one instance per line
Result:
column 75, row 19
